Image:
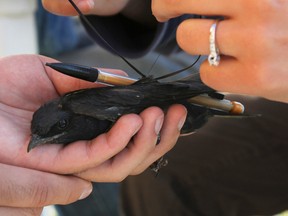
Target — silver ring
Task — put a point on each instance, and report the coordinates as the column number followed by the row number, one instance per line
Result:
column 214, row 57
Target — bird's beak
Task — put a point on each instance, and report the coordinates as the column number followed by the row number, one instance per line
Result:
column 36, row 140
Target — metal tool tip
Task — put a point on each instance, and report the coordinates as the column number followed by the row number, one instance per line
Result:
column 77, row 71
column 237, row 108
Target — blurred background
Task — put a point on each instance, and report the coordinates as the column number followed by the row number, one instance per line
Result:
column 18, row 28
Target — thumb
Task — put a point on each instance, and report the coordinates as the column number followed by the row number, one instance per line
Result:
column 20, row 211
column 64, row 8
column 22, row 187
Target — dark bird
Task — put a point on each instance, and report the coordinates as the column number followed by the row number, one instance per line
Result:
column 84, row 114
column 61, row 121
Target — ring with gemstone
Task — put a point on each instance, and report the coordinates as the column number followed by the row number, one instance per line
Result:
column 214, row 56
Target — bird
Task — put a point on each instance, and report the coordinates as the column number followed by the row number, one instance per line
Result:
column 62, row 120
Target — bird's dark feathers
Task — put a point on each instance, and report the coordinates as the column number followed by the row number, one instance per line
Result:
column 86, row 113
column 41, row 125
column 112, row 102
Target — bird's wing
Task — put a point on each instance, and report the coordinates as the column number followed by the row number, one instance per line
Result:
column 102, row 103
column 112, row 102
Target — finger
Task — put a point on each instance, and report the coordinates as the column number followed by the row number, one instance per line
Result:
column 228, row 76
column 193, row 36
column 120, row 166
column 235, row 76
column 9, row 211
column 170, row 132
column 166, row 9
column 82, row 155
column 64, row 8
column 21, row 187
column 30, row 76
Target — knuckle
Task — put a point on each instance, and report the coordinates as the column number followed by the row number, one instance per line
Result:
column 31, row 212
column 40, row 194
column 256, row 34
column 7, row 192
column 261, row 77
column 163, row 8
column 43, row 195
column 32, row 194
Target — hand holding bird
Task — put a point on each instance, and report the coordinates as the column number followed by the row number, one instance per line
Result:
column 112, row 156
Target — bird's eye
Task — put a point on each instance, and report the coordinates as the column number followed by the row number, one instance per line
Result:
column 63, row 123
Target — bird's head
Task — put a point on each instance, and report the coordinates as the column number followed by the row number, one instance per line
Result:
column 51, row 124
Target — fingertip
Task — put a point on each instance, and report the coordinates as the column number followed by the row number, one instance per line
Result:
column 157, row 13
column 174, row 121
column 159, row 123
column 174, row 118
column 63, row 7
column 87, row 191
column 184, row 33
column 181, row 122
column 152, row 112
column 153, row 116
column 178, row 109
column 86, row 6
column 45, row 3
column 161, row 19
column 177, row 113
column 125, row 127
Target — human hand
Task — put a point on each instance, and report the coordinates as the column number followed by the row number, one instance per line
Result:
column 139, row 11
column 252, row 39
column 96, row 7
column 26, row 84
column 25, row 191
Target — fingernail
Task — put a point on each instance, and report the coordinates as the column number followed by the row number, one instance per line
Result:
column 86, row 193
column 86, row 4
column 158, row 124
column 181, row 123
column 137, row 128
column 91, row 4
